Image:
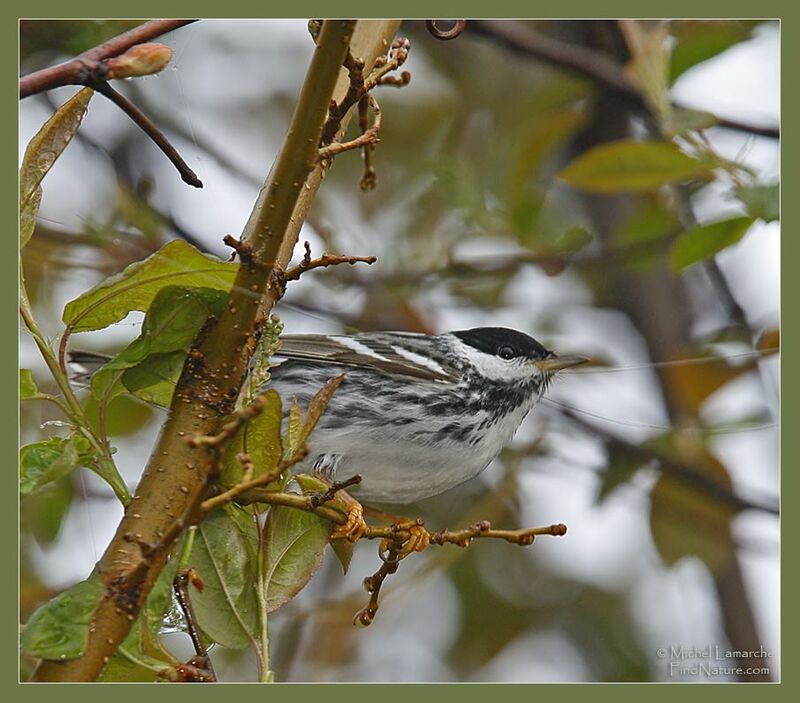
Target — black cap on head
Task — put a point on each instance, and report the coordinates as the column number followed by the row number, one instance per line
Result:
column 500, row 340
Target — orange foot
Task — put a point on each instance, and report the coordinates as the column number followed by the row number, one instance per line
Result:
column 419, row 539
column 355, row 527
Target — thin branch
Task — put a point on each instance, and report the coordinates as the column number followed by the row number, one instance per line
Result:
column 323, row 261
column 368, row 138
column 369, row 179
column 229, row 429
column 591, row 64
column 403, row 532
column 71, row 72
column 199, row 667
column 150, row 129
column 95, row 67
column 359, row 85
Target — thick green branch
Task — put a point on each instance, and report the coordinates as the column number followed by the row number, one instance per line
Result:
column 178, row 476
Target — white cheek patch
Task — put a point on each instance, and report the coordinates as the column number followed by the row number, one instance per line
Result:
column 495, row 368
column 419, row 360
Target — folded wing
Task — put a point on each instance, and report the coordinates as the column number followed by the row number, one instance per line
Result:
column 393, row 353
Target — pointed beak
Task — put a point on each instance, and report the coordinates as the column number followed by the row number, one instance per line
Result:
column 559, row 363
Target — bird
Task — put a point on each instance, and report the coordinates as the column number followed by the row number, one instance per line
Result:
column 416, row 414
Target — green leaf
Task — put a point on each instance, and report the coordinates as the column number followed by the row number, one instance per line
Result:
column 294, row 433
column 763, row 201
column 343, row 549
column 698, row 41
column 299, row 430
column 622, row 466
column 43, row 512
column 629, row 165
column 682, row 120
column 135, row 661
column 572, row 240
column 649, row 67
column 317, row 405
column 60, row 628
column 154, row 379
column 310, row 484
column 702, row 242
column 175, row 264
column 41, row 153
column 50, row 459
column 173, row 320
column 27, row 386
column 260, row 437
column 125, row 415
column 294, row 543
column 224, row 554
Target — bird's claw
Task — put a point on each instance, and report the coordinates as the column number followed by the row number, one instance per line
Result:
column 355, row 527
column 418, row 541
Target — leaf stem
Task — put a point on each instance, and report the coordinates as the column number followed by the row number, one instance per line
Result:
column 71, row 406
column 264, row 673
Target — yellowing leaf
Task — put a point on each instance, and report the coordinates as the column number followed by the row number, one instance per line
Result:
column 27, row 216
column 689, row 385
column 703, row 242
column 769, row 341
column 688, row 522
column 175, row 264
column 629, row 165
column 41, row 153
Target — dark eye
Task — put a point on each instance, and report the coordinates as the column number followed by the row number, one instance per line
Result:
column 506, row 352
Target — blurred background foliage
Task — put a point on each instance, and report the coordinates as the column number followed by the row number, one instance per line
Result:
column 661, row 457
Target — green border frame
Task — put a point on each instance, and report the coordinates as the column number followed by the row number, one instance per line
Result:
column 464, row 693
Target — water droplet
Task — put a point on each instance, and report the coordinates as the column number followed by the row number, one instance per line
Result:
column 53, row 423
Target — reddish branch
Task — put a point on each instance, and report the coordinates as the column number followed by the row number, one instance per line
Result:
column 75, row 71
column 93, row 69
column 150, row 129
column 445, row 34
column 199, row 667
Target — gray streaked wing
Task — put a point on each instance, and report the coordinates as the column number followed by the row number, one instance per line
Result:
column 388, row 352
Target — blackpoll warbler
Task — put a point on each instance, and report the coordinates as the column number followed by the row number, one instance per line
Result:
column 416, row 414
